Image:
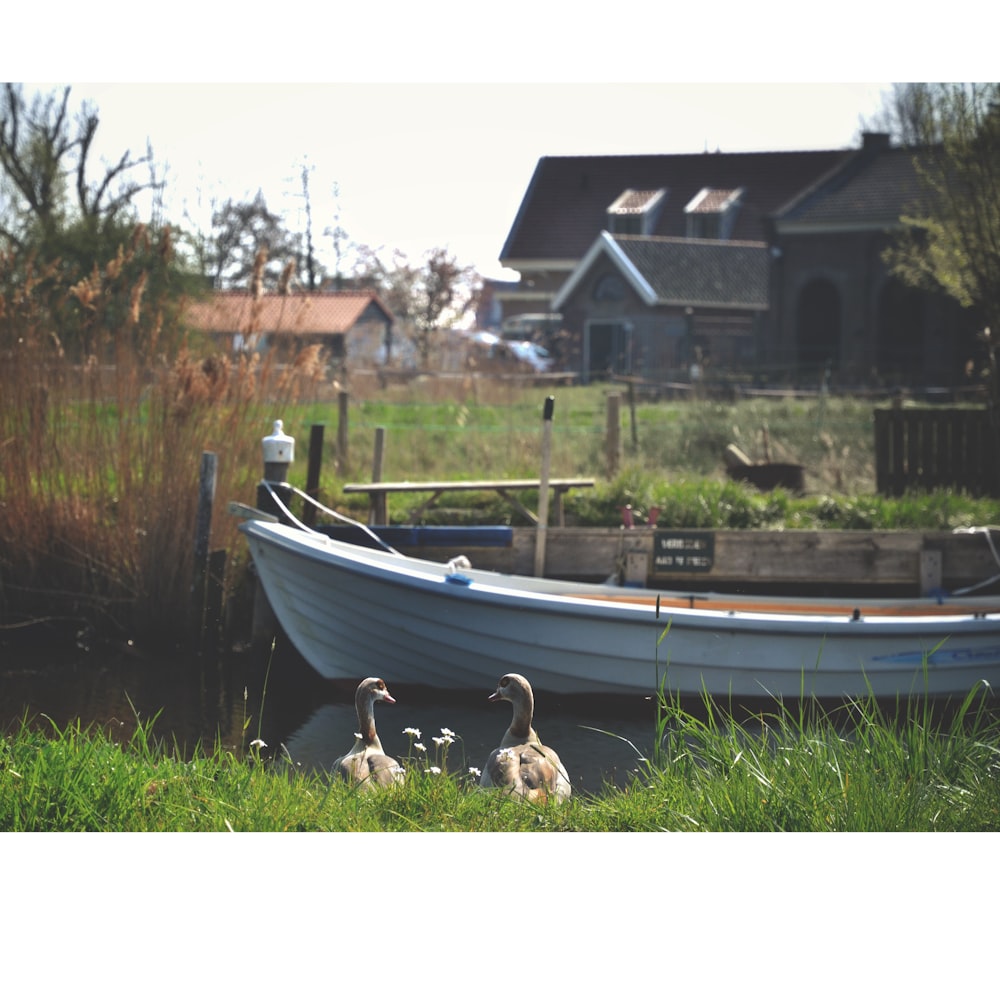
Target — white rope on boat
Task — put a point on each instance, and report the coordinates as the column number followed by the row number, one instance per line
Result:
column 324, row 509
column 985, row 531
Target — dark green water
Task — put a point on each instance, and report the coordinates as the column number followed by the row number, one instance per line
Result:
column 278, row 699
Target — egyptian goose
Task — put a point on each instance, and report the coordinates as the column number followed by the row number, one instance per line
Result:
column 521, row 763
column 366, row 764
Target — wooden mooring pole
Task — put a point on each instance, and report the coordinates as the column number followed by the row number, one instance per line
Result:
column 543, row 487
column 378, row 512
column 313, row 472
column 342, row 409
column 204, row 579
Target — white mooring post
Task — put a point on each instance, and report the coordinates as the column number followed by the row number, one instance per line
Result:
column 278, row 450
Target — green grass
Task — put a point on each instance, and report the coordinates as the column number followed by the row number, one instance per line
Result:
column 794, row 769
column 671, row 457
column 100, row 475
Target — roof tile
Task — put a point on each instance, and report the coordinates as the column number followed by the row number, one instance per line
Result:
column 328, row 312
column 566, row 202
column 704, row 272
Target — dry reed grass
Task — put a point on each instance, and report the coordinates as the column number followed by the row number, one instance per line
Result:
column 101, row 441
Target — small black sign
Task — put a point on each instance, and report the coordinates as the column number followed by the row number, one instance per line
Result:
column 683, row 551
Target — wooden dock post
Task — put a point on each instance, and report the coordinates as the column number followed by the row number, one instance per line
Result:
column 342, row 400
column 312, row 472
column 378, row 510
column 202, row 537
column 543, row 488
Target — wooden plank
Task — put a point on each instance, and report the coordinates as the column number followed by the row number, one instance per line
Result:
column 378, row 506
column 483, row 485
column 779, row 558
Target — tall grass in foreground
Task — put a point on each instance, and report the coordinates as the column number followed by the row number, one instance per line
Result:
column 797, row 770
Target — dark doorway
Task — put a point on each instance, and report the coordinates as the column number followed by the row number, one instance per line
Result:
column 817, row 325
column 606, row 350
column 900, row 332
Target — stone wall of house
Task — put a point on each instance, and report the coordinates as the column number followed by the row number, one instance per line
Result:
column 835, row 307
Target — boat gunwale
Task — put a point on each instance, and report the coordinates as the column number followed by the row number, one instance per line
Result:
column 606, row 602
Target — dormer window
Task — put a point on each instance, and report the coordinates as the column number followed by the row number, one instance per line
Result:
column 635, row 213
column 711, row 213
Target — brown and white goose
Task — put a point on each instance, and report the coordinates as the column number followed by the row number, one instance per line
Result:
column 366, row 763
column 521, row 763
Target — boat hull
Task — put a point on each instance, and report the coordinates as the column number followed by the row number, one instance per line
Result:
column 352, row 611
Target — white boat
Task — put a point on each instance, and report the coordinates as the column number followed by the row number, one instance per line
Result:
column 352, row 611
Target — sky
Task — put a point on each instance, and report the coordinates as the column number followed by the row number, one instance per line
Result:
column 423, row 165
column 430, row 119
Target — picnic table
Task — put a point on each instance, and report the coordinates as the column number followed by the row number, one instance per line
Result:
column 379, row 491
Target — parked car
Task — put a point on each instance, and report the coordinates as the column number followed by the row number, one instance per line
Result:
column 502, row 350
column 531, row 353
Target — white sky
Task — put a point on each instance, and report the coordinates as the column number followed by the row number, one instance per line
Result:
column 426, row 165
column 434, row 140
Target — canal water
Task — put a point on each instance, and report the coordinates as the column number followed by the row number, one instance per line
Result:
column 190, row 699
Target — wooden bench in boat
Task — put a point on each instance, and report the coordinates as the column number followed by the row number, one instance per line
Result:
column 378, row 492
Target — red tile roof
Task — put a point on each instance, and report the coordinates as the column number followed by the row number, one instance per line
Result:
column 328, row 312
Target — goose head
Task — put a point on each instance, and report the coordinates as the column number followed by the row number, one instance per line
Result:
column 369, row 691
column 515, row 688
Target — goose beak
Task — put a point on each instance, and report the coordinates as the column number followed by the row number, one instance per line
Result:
column 495, row 696
column 388, row 698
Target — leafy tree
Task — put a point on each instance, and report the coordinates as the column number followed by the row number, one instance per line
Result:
column 46, row 186
column 70, row 234
column 952, row 240
column 393, row 280
column 338, row 235
column 444, row 292
column 311, row 265
column 424, row 298
column 904, row 114
column 241, row 230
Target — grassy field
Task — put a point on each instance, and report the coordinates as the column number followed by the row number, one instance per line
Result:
column 101, row 467
column 671, row 456
column 858, row 770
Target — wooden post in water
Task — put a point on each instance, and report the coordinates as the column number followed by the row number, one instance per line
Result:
column 543, row 488
column 312, row 472
column 203, row 529
column 342, row 400
column 613, row 440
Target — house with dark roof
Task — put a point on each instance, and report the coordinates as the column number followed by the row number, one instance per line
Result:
column 834, row 303
column 684, row 300
column 570, row 200
column 762, row 262
column 350, row 325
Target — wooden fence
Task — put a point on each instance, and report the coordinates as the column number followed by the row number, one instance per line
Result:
column 936, row 448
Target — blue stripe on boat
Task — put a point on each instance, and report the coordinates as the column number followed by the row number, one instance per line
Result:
column 420, row 536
